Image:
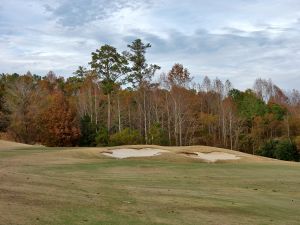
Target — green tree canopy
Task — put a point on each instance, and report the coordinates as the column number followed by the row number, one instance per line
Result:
column 141, row 72
column 248, row 105
column 109, row 66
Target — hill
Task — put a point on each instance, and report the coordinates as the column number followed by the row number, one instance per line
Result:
column 6, row 145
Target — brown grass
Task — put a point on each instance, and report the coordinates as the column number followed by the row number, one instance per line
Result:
column 81, row 186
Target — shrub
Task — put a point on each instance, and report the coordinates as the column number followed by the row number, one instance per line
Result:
column 125, row 137
column 157, row 135
column 297, row 142
column 102, row 137
column 283, row 150
column 286, row 150
column 267, row 150
column 88, row 132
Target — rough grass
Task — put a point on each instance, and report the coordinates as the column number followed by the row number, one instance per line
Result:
column 80, row 186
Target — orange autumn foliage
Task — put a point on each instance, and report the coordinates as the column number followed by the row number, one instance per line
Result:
column 59, row 122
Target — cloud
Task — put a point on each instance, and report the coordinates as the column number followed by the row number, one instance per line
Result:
column 237, row 39
column 80, row 12
column 240, row 56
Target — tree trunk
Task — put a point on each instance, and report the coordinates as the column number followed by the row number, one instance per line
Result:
column 129, row 116
column 141, row 119
column 176, row 123
column 91, row 103
column 95, row 106
column 169, row 120
column 180, row 129
column 145, row 116
column 288, row 128
column 230, row 131
column 108, row 112
column 119, row 113
column 224, row 127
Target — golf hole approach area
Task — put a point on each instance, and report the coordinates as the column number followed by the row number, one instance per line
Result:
column 145, row 185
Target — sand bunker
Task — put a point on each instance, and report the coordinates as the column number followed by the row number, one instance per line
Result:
column 213, row 156
column 128, row 153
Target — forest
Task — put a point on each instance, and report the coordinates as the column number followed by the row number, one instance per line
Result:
column 124, row 99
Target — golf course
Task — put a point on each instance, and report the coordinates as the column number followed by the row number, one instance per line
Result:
column 94, row 186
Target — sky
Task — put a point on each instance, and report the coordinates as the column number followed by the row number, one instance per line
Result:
column 239, row 40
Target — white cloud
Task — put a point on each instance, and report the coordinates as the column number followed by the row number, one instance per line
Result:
column 235, row 39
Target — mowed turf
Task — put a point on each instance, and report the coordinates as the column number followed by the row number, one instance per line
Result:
column 81, row 186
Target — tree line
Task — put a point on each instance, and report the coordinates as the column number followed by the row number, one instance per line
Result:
column 118, row 101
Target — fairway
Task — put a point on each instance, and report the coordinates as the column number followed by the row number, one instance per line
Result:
column 82, row 186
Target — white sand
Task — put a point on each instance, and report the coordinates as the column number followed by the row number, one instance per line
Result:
column 127, row 152
column 215, row 156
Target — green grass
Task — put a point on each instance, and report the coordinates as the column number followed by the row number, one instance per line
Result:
column 36, row 189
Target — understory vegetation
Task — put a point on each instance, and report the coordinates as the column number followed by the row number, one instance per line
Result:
column 283, row 150
column 119, row 101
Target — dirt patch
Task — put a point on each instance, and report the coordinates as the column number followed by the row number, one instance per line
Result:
column 128, row 152
column 212, row 156
column 189, row 153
